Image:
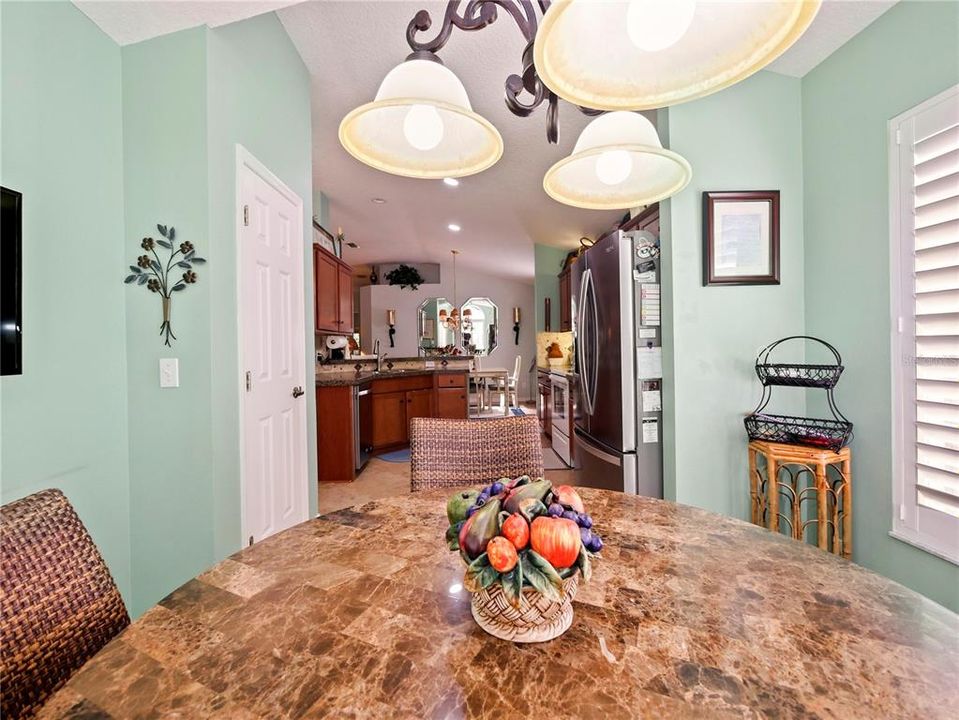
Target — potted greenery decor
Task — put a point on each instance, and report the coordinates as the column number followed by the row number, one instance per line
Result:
column 405, row 276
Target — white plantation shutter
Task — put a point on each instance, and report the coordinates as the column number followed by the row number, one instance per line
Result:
column 924, row 166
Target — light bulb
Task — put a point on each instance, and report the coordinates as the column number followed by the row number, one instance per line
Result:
column 654, row 25
column 613, row 166
column 423, row 127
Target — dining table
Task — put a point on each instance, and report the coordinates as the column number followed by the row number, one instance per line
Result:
column 362, row 613
column 482, row 376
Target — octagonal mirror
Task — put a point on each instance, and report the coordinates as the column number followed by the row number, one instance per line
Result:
column 480, row 323
column 431, row 324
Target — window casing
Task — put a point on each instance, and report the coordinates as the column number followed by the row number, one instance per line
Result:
column 924, row 229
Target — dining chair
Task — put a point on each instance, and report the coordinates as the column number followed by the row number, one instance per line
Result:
column 453, row 453
column 60, row 604
column 507, row 393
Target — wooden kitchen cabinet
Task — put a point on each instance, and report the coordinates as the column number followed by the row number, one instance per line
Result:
column 419, row 403
column 332, row 293
column 389, row 419
column 334, row 433
column 344, row 303
column 565, row 301
column 451, row 403
column 397, row 400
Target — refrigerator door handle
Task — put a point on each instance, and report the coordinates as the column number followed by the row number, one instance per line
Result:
column 583, row 443
column 586, row 333
column 595, row 338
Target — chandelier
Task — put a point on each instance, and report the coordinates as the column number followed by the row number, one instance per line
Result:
column 603, row 56
column 451, row 320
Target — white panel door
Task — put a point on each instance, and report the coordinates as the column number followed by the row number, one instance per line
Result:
column 273, row 346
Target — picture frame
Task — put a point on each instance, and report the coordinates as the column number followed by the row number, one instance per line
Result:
column 741, row 237
column 325, row 239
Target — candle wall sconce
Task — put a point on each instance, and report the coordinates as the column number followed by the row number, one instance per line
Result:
column 516, row 326
column 391, row 321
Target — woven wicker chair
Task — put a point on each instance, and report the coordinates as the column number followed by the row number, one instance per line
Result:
column 453, row 453
column 60, row 605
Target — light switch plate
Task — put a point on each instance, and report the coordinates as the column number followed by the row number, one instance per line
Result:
column 169, row 372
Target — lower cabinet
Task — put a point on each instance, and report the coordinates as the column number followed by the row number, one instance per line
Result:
column 397, row 400
column 389, row 419
column 419, row 403
column 451, row 403
column 334, row 433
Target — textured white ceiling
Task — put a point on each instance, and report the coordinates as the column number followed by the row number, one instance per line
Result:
column 349, row 46
column 836, row 22
column 130, row 21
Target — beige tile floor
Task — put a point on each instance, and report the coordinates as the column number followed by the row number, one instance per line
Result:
column 383, row 479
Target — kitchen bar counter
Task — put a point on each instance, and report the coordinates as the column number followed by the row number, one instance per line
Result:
column 362, row 613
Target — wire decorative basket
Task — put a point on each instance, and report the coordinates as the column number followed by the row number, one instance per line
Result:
column 798, row 374
column 832, row 434
column 817, row 432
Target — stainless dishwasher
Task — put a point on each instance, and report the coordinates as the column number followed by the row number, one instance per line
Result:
column 362, row 424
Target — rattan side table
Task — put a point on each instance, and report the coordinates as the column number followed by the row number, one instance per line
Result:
column 788, row 477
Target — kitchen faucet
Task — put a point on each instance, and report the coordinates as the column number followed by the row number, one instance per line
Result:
column 376, row 351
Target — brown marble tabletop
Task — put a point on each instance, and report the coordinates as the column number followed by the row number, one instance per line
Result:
column 361, row 613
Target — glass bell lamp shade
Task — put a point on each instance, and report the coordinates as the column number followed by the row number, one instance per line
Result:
column 617, row 163
column 645, row 54
column 421, row 125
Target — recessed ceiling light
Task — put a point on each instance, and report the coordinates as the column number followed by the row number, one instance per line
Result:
column 454, row 227
column 378, row 201
column 452, row 182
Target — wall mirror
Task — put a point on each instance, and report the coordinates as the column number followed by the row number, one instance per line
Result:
column 431, row 323
column 480, row 325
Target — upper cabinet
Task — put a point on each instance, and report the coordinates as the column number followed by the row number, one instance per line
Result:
column 565, row 301
column 333, row 293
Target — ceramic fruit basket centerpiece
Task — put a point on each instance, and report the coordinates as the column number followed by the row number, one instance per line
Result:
column 526, row 545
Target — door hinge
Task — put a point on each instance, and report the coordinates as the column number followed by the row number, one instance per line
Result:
column 249, row 381
column 898, row 136
column 902, row 512
column 899, row 323
column 246, row 216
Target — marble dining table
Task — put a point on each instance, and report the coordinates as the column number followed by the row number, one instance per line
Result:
column 362, row 613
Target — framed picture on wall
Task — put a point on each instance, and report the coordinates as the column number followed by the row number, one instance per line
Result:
column 741, row 238
column 324, row 238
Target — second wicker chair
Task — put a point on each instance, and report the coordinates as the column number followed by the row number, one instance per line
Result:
column 454, row 453
column 60, row 605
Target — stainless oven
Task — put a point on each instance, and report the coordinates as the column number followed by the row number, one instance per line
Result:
column 560, row 400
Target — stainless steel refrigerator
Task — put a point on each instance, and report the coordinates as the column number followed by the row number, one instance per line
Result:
column 618, row 413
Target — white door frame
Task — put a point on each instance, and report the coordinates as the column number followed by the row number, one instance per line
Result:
column 245, row 160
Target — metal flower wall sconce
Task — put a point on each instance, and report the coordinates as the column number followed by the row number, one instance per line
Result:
column 160, row 276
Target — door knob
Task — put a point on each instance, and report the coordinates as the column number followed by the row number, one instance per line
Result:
column 297, row 391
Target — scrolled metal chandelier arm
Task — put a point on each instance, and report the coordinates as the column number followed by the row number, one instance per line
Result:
column 478, row 14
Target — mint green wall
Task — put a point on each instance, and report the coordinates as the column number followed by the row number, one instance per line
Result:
column 64, row 421
column 747, row 137
column 259, row 97
column 189, row 98
column 165, row 176
column 906, row 56
column 548, row 262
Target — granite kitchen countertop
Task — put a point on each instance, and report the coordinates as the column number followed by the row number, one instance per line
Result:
column 362, row 613
column 339, row 379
